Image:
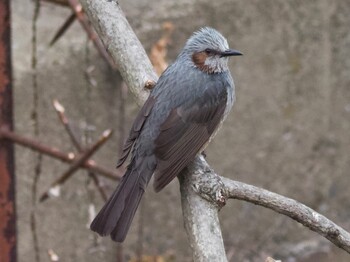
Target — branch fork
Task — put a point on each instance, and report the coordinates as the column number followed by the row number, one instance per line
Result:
column 207, row 184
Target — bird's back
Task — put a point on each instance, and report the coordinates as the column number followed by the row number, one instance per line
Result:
column 181, row 85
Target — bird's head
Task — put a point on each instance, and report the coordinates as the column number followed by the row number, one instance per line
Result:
column 208, row 50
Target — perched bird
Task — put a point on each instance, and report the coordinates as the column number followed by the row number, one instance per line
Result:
column 183, row 112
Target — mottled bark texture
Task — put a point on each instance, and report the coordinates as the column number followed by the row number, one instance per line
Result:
column 203, row 192
column 201, row 198
column 122, row 44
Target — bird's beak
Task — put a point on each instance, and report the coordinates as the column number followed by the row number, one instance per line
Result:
column 230, row 52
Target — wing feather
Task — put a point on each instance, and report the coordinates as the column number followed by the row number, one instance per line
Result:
column 136, row 128
column 184, row 133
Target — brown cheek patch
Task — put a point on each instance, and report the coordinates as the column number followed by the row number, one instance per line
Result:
column 199, row 60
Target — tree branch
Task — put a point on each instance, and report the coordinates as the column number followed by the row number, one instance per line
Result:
column 203, row 192
column 122, row 44
column 200, row 210
column 291, row 208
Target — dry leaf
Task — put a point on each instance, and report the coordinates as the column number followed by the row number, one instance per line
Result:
column 159, row 50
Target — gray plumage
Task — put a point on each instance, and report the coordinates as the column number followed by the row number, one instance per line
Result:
column 183, row 112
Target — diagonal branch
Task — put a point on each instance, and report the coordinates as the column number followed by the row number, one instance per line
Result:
column 81, row 159
column 35, row 145
column 122, row 44
column 77, row 9
column 291, row 208
column 69, row 21
column 212, row 190
column 66, row 123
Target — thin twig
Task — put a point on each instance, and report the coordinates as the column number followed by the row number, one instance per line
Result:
column 69, row 21
column 64, row 120
column 78, row 162
column 99, row 186
column 35, row 145
column 35, row 119
column 66, row 123
column 77, row 9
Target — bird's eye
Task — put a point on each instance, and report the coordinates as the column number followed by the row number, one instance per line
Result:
column 208, row 51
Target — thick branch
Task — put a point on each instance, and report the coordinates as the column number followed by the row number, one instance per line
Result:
column 200, row 216
column 122, row 44
column 202, row 180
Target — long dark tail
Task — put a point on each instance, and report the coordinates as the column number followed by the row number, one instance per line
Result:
column 115, row 217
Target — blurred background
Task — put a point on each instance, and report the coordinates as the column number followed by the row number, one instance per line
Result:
column 289, row 131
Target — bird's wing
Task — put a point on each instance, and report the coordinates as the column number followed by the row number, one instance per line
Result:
column 185, row 132
column 136, row 128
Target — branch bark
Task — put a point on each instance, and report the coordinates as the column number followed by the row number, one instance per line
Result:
column 203, row 192
column 291, row 208
column 122, row 44
column 200, row 210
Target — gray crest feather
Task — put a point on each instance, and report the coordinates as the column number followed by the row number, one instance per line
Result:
column 206, row 37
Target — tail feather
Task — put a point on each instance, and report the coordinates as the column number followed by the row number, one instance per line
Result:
column 121, row 229
column 116, row 216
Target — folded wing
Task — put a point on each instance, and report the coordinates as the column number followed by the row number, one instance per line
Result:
column 185, row 132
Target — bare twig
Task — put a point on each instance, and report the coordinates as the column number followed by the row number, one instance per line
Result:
column 99, row 186
column 77, row 9
column 126, row 50
column 5, row 133
column 69, row 21
column 78, row 162
column 36, row 125
column 65, row 121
